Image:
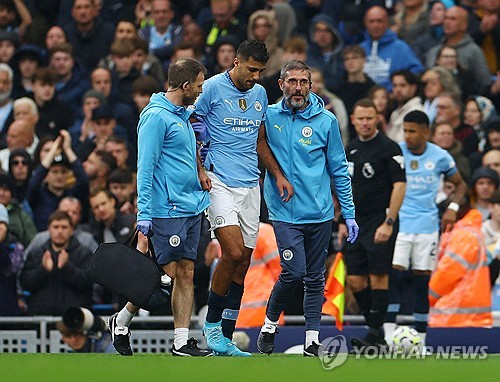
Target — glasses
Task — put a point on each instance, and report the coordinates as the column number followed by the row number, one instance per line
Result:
column 24, row 162
column 294, row 82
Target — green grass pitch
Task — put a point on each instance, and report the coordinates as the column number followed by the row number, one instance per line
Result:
column 276, row 368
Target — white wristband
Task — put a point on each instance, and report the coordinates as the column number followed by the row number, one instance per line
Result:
column 453, row 206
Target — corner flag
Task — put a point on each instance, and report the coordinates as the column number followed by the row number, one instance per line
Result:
column 334, row 291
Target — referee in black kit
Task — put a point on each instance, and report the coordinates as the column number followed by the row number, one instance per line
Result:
column 376, row 166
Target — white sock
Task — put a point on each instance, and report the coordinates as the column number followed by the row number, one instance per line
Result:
column 180, row 337
column 312, row 336
column 267, row 321
column 124, row 317
column 389, row 328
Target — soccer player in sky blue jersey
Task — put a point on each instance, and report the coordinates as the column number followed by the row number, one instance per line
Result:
column 233, row 107
column 418, row 234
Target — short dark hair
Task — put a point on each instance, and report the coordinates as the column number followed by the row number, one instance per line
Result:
column 121, row 176
column 64, row 47
column 145, row 85
column 418, row 117
column 107, row 158
column 140, row 43
column 252, row 49
column 97, row 190
column 183, row 70
column 122, row 47
column 59, row 215
column 295, row 65
column 408, row 76
column 364, row 102
column 353, row 49
column 45, row 76
column 118, row 140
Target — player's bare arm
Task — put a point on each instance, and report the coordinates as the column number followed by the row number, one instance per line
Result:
column 269, row 161
column 384, row 231
column 450, row 216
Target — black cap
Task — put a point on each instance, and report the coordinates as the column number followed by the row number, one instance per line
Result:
column 10, row 36
column 484, row 172
column 102, row 112
column 493, row 124
column 60, row 160
column 32, row 52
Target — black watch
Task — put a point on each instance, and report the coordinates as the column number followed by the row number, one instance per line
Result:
column 389, row 221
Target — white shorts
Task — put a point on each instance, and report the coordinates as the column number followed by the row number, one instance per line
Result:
column 235, row 206
column 416, row 251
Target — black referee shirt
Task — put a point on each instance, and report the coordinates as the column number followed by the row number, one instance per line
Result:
column 374, row 166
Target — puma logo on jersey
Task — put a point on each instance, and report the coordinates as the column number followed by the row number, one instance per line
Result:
column 278, row 127
column 229, row 102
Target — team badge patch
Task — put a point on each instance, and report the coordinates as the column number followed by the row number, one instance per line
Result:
column 307, row 131
column 219, row 220
column 242, row 103
column 414, row 164
column 430, row 165
column 174, row 240
column 258, row 106
column 287, row 255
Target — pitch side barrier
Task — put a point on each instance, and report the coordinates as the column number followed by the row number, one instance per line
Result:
column 37, row 334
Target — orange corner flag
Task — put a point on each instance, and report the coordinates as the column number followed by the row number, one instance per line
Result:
column 334, row 291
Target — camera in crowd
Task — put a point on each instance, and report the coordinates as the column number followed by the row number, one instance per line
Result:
column 84, row 332
column 83, row 320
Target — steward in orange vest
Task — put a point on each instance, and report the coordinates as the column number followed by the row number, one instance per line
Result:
column 459, row 289
column 263, row 273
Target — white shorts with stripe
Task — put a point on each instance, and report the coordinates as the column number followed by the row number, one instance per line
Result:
column 234, row 206
column 416, row 251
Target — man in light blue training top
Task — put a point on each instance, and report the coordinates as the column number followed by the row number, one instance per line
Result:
column 171, row 196
column 305, row 139
column 232, row 108
column 418, row 234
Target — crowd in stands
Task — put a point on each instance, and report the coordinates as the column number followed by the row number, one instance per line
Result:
column 75, row 75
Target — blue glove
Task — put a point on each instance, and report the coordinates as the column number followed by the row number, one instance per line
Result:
column 352, row 229
column 144, row 226
column 200, row 131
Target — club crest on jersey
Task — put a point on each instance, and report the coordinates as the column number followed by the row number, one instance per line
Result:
column 219, row 220
column 287, row 255
column 257, row 106
column 414, row 164
column 430, row 165
column 307, row 131
column 174, row 240
column 242, row 103
column 368, row 171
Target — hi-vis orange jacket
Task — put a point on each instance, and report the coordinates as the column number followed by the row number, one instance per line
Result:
column 263, row 273
column 459, row 289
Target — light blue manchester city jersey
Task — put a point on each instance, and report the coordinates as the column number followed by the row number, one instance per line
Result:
column 233, row 118
column 419, row 213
